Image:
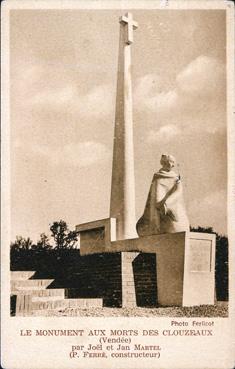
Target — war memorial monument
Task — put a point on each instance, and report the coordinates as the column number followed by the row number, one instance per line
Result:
column 156, row 256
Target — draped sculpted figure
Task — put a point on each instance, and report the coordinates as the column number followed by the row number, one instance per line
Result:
column 164, row 210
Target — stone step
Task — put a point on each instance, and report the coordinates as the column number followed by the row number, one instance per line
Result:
column 25, row 304
column 66, row 303
column 30, row 284
column 21, row 275
column 46, row 298
column 42, row 293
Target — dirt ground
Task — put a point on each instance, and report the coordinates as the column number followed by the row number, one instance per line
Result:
column 218, row 310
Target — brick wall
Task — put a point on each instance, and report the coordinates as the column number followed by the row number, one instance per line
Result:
column 95, row 276
column 144, row 267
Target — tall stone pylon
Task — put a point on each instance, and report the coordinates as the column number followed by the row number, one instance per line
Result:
column 122, row 203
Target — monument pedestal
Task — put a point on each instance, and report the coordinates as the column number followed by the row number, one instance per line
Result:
column 185, row 266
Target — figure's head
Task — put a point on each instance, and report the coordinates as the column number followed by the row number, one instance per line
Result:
column 167, row 162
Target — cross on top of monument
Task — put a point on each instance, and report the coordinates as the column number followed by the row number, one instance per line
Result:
column 128, row 21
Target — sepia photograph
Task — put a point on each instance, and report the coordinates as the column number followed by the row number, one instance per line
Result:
column 118, row 168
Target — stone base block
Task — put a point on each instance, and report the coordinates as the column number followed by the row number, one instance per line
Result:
column 95, row 234
column 199, row 269
column 23, row 305
column 128, row 283
column 186, row 270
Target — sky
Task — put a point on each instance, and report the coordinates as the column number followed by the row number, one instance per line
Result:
column 63, row 74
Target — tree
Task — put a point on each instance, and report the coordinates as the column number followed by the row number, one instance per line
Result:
column 43, row 243
column 21, row 243
column 63, row 237
column 202, row 229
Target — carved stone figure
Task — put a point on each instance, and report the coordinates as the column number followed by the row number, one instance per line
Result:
column 164, row 210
